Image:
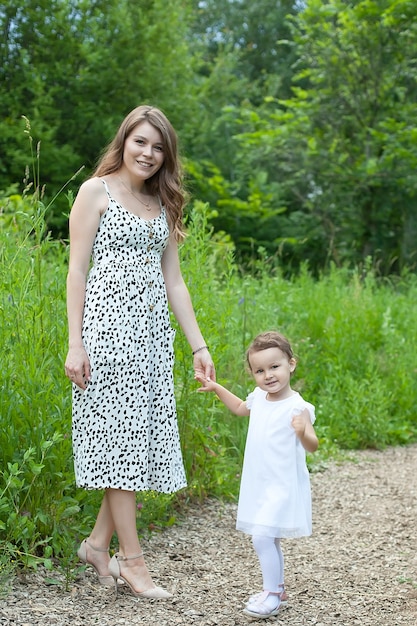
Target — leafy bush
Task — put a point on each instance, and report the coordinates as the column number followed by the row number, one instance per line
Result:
column 352, row 333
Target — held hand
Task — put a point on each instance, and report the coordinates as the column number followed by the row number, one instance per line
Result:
column 207, row 383
column 203, row 366
column 77, row 367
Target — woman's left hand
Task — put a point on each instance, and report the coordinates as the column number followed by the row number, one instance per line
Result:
column 203, row 365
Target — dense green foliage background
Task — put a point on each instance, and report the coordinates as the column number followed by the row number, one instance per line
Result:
column 352, row 333
column 297, row 120
column 297, row 127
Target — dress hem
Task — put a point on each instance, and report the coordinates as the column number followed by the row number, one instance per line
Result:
column 271, row 531
column 136, row 489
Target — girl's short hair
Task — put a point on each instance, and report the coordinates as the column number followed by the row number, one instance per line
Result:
column 270, row 339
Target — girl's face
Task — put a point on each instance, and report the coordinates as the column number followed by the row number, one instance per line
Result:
column 143, row 152
column 272, row 369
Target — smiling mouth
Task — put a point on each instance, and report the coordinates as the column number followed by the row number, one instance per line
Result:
column 143, row 164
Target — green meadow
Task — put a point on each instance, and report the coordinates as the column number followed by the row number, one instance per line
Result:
column 353, row 332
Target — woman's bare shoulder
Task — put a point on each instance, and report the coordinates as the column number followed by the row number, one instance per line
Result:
column 92, row 194
column 92, row 185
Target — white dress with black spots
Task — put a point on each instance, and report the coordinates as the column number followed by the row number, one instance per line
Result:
column 125, row 432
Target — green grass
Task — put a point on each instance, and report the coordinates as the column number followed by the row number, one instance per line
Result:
column 353, row 334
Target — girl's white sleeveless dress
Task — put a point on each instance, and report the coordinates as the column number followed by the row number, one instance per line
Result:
column 275, row 495
column 124, row 428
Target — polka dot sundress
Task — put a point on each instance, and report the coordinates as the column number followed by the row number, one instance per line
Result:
column 124, row 428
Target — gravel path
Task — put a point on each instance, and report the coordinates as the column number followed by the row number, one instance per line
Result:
column 358, row 568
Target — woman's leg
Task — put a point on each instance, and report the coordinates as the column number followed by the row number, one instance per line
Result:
column 104, row 527
column 99, row 539
column 122, row 509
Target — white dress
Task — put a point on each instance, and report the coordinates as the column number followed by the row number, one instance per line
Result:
column 124, row 429
column 275, row 495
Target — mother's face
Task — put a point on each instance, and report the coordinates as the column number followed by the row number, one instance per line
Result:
column 143, row 153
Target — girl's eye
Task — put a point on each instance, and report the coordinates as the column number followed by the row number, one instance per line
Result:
column 159, row 148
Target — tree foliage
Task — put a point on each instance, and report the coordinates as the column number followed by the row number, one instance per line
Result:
column 258, row 32
column 74, row 68
column 340, row 155
column 296, row 119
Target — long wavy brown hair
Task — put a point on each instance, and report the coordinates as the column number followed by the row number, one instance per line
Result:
column 167, row 182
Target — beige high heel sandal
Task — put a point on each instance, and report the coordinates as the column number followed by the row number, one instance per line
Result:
column 106, row 581
column 156, row 593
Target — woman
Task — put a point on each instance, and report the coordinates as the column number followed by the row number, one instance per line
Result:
column 127, row 218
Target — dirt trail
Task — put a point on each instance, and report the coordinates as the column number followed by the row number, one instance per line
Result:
column 358, row 569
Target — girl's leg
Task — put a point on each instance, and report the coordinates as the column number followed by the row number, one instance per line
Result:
column 281, row 561
column 271, row 564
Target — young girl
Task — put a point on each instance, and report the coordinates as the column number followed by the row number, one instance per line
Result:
column 275, row 497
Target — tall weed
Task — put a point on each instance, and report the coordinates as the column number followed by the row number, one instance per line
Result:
column 36, row 492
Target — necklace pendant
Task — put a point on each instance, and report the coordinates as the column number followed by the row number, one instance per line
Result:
column 145, row 204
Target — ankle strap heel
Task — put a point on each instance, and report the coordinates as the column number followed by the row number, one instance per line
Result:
column 96, row 549
column 120, row 557
column 156, row 593
column 107, row 581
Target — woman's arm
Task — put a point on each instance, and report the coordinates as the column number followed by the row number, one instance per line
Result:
column 181, row 305
column 84, row 220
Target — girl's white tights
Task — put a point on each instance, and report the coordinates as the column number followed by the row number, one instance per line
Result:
column 271, row 561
